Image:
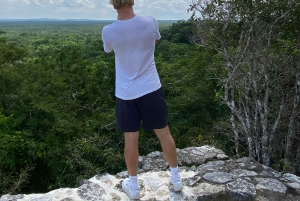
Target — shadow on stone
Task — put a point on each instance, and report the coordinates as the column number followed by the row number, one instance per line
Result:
column 220, row 197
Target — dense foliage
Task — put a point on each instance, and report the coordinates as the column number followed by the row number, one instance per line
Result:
column 57, row 104
column 230, row 73
column 259, row 41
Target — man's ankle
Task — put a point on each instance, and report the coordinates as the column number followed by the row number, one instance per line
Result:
column 134, row 182
column 175, row 173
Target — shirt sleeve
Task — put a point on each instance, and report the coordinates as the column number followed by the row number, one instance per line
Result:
column 156, row 26
column 107, row 47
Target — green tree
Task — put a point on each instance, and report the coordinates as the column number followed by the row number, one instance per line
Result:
column 257, row 40
column 9, row 51
column 180, row 32
column 14, row 169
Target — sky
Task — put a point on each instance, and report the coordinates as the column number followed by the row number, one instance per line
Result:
column 90, row 9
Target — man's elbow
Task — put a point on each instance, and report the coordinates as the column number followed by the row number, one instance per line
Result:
column 109, row 51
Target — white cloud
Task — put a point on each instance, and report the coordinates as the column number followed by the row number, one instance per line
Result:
column 89, row 9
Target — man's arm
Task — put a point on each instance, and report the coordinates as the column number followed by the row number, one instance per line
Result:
column 107, row 47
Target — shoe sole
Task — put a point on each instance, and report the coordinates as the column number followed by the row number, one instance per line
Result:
column 177, row 189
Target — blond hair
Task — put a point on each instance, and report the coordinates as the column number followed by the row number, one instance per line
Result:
column 118, row 4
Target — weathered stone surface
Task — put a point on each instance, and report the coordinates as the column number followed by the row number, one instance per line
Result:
column 290, row 178
column 154, row 161
column 91, row 191
column 67, row 199
column 192, row 181
column 85, row 181
column 292, row 182
column 198, row 155
column 250, row 164
column 46, row 197
column 269, row 172
column 206, row 191
column 241, row 189
column 122, row 175
column 293, row 185
column 218, row 177
column 236, row 173
column 222, row 157
column 271, row 185
column 11, row 197
column 212, row 166
column 205, row 178
column 154, row 183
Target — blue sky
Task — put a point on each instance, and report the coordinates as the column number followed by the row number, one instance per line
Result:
column 90, row 9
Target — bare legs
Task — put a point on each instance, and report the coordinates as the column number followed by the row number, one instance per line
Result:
column 168, row 145
column 131, row 151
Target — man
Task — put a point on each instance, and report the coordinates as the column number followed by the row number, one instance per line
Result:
column 139, row 94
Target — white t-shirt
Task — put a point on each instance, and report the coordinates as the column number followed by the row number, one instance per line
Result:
column 133, row 42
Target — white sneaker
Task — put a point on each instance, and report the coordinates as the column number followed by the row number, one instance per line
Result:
column 133, row 193
column 177, row 184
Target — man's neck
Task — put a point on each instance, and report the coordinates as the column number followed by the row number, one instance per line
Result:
column 125, row 13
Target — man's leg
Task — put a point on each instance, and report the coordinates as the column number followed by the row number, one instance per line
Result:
column 169, row 149
column 131, row 152
column 168, row 145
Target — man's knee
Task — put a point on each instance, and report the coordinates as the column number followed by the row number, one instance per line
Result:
column 163, row 132
column 131, row 138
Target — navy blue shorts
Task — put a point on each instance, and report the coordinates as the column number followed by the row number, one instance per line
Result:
column 150, row 109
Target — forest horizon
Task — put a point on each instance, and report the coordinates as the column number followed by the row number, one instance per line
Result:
column 231, row 79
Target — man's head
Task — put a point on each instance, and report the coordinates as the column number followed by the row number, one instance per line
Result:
column 118, row 4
